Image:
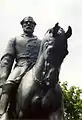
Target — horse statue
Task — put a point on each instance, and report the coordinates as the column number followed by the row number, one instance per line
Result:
column 39, row 95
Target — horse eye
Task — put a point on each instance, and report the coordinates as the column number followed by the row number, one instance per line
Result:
column 60, row 31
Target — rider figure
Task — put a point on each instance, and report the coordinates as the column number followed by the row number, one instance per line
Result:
column 23, row 50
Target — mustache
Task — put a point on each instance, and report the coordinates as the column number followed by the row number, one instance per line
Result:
column 29, row 27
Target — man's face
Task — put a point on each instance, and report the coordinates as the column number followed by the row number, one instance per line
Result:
column 28, row 27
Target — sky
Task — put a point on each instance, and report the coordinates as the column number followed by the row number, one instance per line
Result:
column 47, row 13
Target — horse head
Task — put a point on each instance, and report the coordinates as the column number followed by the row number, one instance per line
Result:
column 54, row 49
column 54, row 43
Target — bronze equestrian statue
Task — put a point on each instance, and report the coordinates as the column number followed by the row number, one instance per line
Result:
column 39, row 95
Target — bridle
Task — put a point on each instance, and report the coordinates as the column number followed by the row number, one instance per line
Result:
column 46, row 82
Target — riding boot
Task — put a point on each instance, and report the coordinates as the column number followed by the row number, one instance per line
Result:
column 5, row 97
column 4, row 103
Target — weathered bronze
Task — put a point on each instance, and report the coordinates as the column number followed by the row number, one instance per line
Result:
column 39, row 94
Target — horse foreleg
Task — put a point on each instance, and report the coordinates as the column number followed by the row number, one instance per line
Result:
column 58, row 115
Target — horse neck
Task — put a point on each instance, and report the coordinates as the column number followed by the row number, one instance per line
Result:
column 52, row 70
column 39, row 67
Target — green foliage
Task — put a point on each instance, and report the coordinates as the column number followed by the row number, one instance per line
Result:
column 72, row 102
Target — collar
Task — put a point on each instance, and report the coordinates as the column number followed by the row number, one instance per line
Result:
column 25, row 35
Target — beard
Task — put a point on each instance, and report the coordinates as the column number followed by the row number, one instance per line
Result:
column 28, row 30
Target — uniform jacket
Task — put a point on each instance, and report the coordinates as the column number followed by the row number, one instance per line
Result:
column 20, row 49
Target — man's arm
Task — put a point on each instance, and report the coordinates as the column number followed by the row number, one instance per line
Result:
column 7, row 60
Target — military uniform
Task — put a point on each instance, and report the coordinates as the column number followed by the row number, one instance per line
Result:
column 24, row 50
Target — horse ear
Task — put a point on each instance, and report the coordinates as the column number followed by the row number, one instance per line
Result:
column 69, row 32
column 56, row 25
column 55, row 29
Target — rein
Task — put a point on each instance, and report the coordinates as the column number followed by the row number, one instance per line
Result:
column 45, row 82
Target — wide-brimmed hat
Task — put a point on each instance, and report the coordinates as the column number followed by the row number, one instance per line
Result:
column 26, row 19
